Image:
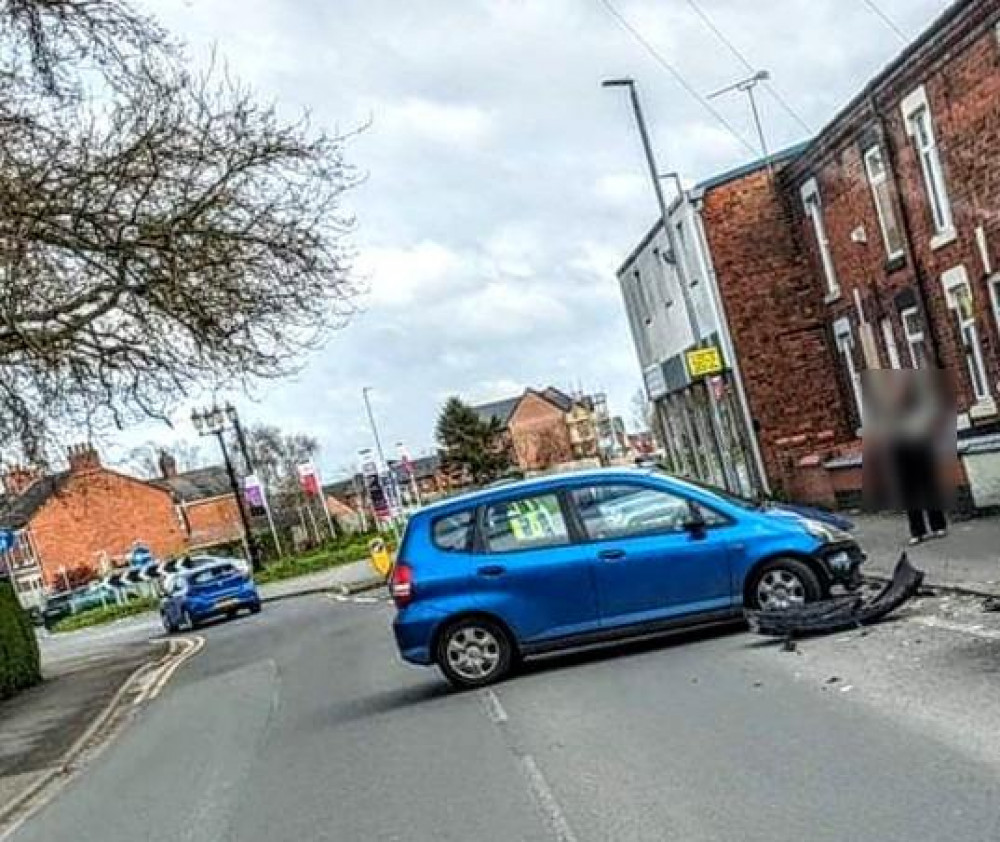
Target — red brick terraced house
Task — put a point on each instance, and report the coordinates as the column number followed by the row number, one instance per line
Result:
column 876, row 244
column 89, row 517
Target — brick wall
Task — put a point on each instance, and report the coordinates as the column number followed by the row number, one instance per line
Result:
column 775, row 316
column 539, row 434
column 213, row 521
column 98, row 513
column 958, row 65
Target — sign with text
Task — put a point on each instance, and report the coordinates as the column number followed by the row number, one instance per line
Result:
column 704, row 362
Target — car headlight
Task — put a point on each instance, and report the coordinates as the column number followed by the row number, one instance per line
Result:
column 825, row 532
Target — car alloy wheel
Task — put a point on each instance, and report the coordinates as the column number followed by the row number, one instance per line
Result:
column 474, row 653
column 779, row 589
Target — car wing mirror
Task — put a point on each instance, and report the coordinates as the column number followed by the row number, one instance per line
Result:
column 695, row 523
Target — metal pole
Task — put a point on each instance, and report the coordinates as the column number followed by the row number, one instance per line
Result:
column 244, row 520
column 668, row 229
column 241, row 439
column 760, row 129
column 374, row 426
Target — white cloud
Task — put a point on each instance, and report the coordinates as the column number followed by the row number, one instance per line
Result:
column 622, row 188
column 439, row 122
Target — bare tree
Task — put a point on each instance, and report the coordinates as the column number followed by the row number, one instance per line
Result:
column 159, row 230
column 276, row 456
column 146, row 460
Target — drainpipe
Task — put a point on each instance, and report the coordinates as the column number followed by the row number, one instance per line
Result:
column 726, row 339
column 892, row 158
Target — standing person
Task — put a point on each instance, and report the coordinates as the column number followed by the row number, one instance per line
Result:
column 914, row 454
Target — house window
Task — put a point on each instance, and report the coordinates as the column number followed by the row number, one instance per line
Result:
column 645, row 310
column 684, row 255
column 920, row 127
column 913, row 331
column 814, row 210
column 665, row 282
column 878, row 180
column 889, row 338
column 845, row 345
column 959, row 294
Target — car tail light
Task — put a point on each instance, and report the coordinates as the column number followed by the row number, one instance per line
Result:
column 401, row 584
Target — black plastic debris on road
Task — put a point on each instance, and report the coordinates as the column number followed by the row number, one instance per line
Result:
column 841, row 613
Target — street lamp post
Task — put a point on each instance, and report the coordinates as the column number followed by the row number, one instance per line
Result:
column 675, row 255
column 746, row 86
column 213, row 422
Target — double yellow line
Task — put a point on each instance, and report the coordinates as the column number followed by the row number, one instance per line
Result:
column 181, row 650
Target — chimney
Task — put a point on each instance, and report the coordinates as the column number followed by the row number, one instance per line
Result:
column 19, row 479
column 168, row 465
column 83, row 457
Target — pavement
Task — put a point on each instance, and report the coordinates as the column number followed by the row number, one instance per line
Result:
column 40, row 726
column 968, row 557
column 302, row 723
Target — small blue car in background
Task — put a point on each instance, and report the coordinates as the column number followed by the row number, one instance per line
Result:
column 485, row 579
column 217, row 589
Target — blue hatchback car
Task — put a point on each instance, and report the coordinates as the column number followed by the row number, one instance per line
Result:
column 561, row 561
column 217, row 589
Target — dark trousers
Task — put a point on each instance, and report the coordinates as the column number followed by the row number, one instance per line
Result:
column 919, row 526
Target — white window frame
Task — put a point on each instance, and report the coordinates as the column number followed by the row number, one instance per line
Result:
column 661, row 269
column 646, row 314
column 875, row 180
column 889, row 340
column 813, row 206
column 993, row 285
column 913, row 337
column 844, row 337
column 954, row 280
column 916, row 115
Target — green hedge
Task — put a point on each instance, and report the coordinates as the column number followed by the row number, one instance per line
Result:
column 20, row 663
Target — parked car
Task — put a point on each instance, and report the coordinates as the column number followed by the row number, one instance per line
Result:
column 219, row 589
column 488, row 578
column 62, row 605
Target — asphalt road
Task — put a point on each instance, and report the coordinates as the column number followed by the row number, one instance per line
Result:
column 301, row 724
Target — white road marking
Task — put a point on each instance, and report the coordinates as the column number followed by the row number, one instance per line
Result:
column 494, row 710
column 365, row 600
column 947, row 625
column 546, row 801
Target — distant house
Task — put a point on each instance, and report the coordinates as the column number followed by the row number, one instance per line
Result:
column 546, row 427
column 88, row 518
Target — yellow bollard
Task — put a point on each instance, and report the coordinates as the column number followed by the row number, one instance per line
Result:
column 379, row 556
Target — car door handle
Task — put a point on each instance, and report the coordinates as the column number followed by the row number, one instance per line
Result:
column 492, row 570
column 611, row 555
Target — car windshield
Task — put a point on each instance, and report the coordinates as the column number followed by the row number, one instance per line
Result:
column 210, row 575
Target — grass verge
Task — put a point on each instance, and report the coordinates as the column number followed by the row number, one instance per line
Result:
column 99, row 616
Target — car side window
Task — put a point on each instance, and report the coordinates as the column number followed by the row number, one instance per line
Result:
column 453, row 533
column 524, row 523
column 620, row 511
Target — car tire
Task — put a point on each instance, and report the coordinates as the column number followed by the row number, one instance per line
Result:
column 474, row 652
column 783, row 583
column 255, row 608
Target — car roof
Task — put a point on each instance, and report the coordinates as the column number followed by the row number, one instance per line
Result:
column 539, row 485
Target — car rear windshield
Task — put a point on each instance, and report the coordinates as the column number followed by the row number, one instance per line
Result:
column 205, row 577
column 453, row 533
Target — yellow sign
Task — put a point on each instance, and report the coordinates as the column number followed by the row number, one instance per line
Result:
column 379, row 556
column 703, row 362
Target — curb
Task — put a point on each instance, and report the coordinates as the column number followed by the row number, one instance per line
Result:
column 346, row 589
column 8, row 811
column 949, row 589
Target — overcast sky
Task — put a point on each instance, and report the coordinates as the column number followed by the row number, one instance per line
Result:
column 505, row 185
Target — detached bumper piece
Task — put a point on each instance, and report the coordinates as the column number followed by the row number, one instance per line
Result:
column 840, row 613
